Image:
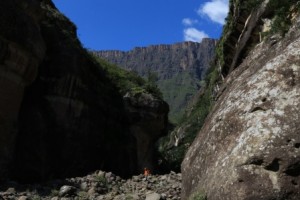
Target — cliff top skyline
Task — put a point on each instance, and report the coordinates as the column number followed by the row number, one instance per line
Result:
column 123, row 25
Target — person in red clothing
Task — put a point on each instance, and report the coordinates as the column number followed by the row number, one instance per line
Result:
column 146, row 173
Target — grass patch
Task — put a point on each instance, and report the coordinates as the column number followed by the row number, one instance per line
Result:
column 54, row 193
column 198, row 196
column 83, row 195
column 127, row 81
column 191, row 123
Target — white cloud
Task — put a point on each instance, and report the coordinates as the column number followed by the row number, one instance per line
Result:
column 216, row 10
column 194, row 35
column 189, row 22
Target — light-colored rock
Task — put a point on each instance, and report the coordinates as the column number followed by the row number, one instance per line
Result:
column 10, row 190
column 84, row 186
column 153, row 196
column 249, row 146
column 101, row 197
column 23, row 198
column 91, row 191
column 101, row 174
column 66, row 190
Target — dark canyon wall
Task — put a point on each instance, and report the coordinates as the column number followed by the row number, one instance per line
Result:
column 61, row 112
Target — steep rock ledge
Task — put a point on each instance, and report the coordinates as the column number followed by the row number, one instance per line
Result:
column 242, row 31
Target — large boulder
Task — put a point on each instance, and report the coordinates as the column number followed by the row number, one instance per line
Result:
column 249, row 145
column 148, row 122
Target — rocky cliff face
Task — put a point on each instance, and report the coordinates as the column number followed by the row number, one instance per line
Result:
column 147, row 116
column 179, row 68
column 248, row 147
column 62, row 113
column 20, row 56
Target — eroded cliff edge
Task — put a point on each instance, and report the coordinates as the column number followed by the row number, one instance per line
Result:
column 63, row 112
column 248, row 147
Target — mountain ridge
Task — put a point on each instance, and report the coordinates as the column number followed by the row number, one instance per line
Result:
column 177, row 68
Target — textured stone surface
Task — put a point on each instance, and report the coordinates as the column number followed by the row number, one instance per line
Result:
column 163, row 187
column 153, row 196
column 249, row 145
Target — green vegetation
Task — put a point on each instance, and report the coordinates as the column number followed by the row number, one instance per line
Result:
column 129, row 197
column 178, row 96
column 249, row 4
column 282, row 11
column 281, row 14
column 127, row 81
column 83, row 195
column 36, row 197
column 62, row 23
column 227, row 30
column 191, row 123
column 198, row 196
column 54, row 193
column 101, row 179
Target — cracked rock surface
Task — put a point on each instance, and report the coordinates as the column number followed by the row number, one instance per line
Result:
column 249, row 145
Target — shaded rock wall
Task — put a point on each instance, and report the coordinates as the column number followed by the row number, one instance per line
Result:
column 149, row 121
column 242, row 31
column 68, row 113
column 20, row 55
column 249, row 145
column 60, row 113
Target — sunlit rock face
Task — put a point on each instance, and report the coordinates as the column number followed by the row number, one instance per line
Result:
column 249, row 145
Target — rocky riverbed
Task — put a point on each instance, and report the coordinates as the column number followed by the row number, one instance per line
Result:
column 98, row 186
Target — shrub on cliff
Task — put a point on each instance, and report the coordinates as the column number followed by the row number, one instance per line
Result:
column 190, row 124
column 128, row 81
column 282, row 11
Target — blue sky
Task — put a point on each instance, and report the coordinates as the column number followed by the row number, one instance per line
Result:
column 125, row 24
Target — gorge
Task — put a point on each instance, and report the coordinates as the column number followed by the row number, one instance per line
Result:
column 177, row 69
column 77, row 127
